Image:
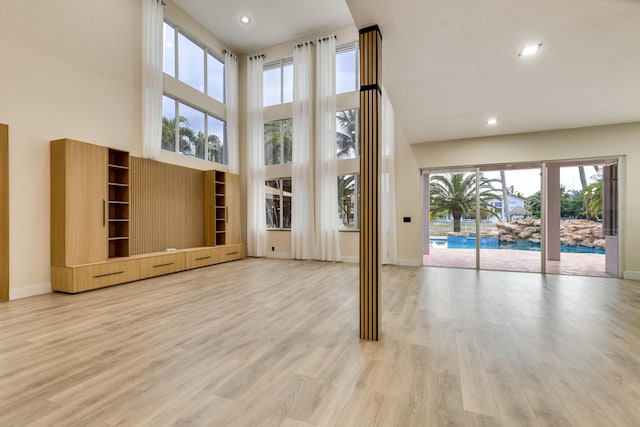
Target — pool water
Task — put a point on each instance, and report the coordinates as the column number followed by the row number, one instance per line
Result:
column 494, row 243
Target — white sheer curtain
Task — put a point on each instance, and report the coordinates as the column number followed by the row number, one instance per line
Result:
column 302, row 210
column 387, row 184
column 256, row 216
column 327, row 221
column 231, row 101
column 152, row 17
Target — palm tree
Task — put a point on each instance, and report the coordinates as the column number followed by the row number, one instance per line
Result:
column 533, row 204
column 346, row 132
column 593, row 192
column 187, row 137
column 455, row 194
column 215, row 149
column 505, row 197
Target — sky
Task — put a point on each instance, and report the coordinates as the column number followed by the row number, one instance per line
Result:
column 527, row 181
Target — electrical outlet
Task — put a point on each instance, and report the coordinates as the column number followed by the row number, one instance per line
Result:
column 273, row 248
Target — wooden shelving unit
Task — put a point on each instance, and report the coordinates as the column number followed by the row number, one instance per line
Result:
column 118, row 209
column 220, row 208
column 97, row 194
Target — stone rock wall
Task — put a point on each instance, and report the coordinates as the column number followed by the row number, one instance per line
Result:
column 573, row 232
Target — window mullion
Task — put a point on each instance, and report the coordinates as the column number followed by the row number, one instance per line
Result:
column 206, row 65
column 281, row 81
column 280, row 184
column 282, row 159
column 205, row 149
column 176, row 132
column 177, row 53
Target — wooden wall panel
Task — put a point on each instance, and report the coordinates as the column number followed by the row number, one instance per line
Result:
column 370, row 261
column 166, row 207
column 4, row 212
column 186, row 224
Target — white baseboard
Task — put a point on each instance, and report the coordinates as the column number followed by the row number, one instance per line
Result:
column 29, row 291
column 351, row 259
column 631, row 275
column 407, row 262
column 279, row 255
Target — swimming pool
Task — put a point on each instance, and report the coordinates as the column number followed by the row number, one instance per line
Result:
column 454, row 242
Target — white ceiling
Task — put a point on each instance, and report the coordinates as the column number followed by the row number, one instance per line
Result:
column 448, row 65
column 272, row 21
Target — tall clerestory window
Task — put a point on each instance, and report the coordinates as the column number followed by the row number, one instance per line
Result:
column 187, row 127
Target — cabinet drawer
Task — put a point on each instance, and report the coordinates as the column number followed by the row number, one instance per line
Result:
column 201, row 258
column 160, row 264
column 230, row 252
column 104, row 274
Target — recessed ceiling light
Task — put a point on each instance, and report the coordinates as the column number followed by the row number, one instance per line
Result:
column 245, row 19
column 530, row 49
column 492, row 121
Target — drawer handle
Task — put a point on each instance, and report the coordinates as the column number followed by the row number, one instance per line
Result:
column 108, row 274
column 203, row 257
column 163, row 265
column 233, row 253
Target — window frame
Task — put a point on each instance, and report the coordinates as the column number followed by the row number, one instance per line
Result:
column 279, row 64
column 347, row 47
column 356, row 214
column 357, row 133
column 283, row 159
column 206, row 50
column 176, row 131
column 282, row 210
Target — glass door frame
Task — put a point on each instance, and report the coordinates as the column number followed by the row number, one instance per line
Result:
column 544, row 202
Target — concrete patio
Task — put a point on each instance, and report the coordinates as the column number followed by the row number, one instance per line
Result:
column 515, row 260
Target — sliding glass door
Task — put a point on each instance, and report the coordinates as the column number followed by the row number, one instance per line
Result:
column 555, row 217
column 450, row 212
column 511, row 227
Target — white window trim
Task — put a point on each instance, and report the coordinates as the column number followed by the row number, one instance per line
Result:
column 207, row 114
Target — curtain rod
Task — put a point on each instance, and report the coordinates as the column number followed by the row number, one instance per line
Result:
column 230, row 53
column 304, row 44
column 251, row 58
column 324, row 39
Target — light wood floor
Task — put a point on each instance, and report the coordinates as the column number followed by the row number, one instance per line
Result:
column 275, row 343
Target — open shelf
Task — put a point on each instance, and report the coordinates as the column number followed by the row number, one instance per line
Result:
column 119, row 176
column 118, row 203
column 215, row 199
column 118, row 229
column 118, row 158
column 118, row 248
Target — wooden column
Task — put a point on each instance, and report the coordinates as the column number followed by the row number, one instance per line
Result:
column 4, row 212
column 370, row 112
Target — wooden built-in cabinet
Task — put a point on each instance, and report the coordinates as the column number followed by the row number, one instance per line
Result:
column 79, row 197
column 92, row 221
column 221, row 208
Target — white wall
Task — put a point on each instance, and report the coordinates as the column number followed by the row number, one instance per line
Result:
column 583, row 143
column 408, row 203
column 69, row 70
